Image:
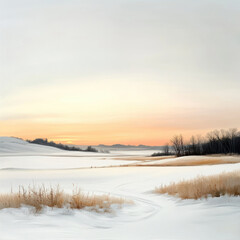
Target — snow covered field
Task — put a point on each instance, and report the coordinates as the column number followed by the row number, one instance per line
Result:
column 151, row 217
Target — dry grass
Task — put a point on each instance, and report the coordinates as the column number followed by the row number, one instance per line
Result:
column 210, row 161
column 193, row 162
column 38, row 197
column 215, row 186
column 137, row 158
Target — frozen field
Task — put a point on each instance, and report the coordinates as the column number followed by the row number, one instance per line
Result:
column 151, row 217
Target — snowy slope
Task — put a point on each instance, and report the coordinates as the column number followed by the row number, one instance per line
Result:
column 18, row 154
column 9, row 145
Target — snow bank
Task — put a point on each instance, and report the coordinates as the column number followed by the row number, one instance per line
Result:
column 11, row 145
column 56, row 162
column 152, row 217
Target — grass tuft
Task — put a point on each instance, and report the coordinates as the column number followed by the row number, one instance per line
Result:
column 203, row 187
column 39, row 197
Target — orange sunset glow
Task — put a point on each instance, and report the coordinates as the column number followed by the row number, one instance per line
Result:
column 91, row 79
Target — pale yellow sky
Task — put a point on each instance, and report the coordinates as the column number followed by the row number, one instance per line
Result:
column 132, row 72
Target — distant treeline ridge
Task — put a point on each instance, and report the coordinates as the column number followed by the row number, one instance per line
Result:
column 45, row 142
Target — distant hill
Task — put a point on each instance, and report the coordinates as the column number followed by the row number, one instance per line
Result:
column 128, row 147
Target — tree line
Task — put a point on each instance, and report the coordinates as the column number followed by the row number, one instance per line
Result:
column 216, row 142
column 45, row 142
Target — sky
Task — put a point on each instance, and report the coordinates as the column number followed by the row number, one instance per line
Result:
column 124, row 71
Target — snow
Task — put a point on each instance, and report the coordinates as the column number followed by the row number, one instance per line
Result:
column 56, row 162
column 151, row 217
column 18, row 154
column 10, row 145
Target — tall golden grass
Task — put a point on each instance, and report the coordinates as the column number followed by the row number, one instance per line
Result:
column 38, row 197
column 214, row 186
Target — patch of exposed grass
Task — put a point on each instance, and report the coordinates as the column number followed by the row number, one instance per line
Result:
column 209, row 161
column 39, row 197
column 214, row 186
column 192, row 162
column 150, row 158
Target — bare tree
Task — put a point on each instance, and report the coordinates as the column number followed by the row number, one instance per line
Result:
column 178, row 145
column 193, row 145
column 232, row 134
column 166, row 149
column 200, row 144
